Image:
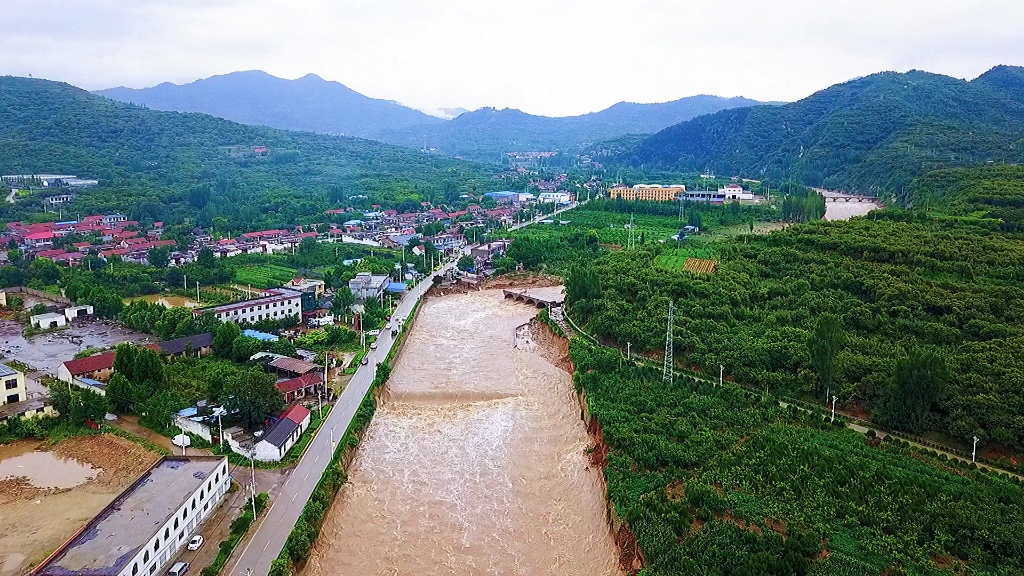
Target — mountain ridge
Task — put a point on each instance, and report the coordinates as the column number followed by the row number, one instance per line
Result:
column 872, row 134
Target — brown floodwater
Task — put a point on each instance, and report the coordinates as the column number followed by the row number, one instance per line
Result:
column 42, row 469
column 475, row 463
column 167, row 301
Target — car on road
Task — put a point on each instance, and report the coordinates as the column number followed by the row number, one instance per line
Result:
column 364, row 361
column 373, row 345
column 388, row 326
column 178, row 569
column 195, row 542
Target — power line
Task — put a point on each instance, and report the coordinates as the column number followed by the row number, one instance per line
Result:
column 667, row 372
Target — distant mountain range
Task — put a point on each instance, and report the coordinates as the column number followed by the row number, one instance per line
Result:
column 313, row 104
column 488, row 132
column 309, row 104
column 870, row 134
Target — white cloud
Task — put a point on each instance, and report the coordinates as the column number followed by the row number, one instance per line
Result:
column 542, row 56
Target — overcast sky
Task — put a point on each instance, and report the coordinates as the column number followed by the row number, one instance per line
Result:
column 554, row 57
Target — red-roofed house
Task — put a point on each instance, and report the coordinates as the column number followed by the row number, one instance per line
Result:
column 283, row 434
column 300, row 387
column 98, row 367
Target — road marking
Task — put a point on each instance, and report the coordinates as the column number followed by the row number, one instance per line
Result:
column 304, row 478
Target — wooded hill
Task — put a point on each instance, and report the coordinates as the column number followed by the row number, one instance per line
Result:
column 310, row 103
column 872, row 134
column 488, row 133
column 170, row 166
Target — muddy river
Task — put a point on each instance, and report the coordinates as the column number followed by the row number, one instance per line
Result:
column 475, row 463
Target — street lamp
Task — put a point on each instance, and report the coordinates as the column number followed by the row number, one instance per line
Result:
column 252, row 465
column 974, row 453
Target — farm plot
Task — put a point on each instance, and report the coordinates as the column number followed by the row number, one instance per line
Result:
column 264, row 275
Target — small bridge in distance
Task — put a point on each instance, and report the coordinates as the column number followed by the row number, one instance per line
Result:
column 833, row 196
column 539, row 297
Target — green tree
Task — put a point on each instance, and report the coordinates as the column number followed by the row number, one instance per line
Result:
column 224, row 339
column 911, row 402
column 124, row 360
column 253, row 394
column 244, row 347
column 824, row 346
column 343, row 299
column 45, row 270
column 159, row 256
column 38, row 308
column 156, row 411
column 120, row 394
column 466, row 263
column 148, row 372
column 206, row 259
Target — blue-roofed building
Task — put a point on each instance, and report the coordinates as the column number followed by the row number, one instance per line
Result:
column 396, row 287
column 262, row 336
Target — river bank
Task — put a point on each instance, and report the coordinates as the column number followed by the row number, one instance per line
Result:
column 475, row 462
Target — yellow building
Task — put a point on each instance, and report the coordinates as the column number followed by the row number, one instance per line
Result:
column 651, row 192
column 13, row 385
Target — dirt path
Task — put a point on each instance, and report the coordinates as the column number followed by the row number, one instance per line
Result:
column 131, row 424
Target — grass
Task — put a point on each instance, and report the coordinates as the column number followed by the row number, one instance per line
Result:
column 264, row 275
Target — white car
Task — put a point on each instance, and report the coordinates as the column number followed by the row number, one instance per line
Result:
column 195, row 542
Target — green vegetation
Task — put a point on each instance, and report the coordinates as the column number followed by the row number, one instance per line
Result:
column 238, row 528
column 872, row 134
column 718, row 480
column 264, row 276
column 179, row 168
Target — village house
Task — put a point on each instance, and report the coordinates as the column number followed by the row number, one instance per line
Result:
column 282, row 435
column 97, row 367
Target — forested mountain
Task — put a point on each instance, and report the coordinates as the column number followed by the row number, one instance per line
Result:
column 171, row 166
column 310, row 103
column 871, row 134
column 488, row 133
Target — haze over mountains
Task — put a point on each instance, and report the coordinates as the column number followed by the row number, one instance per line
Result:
column 869, row 134
column 313, row 104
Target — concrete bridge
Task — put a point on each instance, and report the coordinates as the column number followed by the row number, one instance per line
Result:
column 539, row 297
column 850, row 198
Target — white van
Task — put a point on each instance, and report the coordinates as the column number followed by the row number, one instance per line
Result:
column 178, row 569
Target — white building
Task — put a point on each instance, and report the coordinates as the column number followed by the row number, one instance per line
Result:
column 735, row 192
column 282, row 435
column 556, row 197
column 73, row 312
column 148, row 523
column 273, row 304
column 367, row 286
column 48, row 321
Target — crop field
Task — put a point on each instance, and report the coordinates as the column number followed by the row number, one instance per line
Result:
column 611, row 227
column 264, row 276
column 700, row 266
column 675, row 258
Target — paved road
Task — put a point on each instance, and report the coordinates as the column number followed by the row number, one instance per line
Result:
column 545, row 216
column 268, row 540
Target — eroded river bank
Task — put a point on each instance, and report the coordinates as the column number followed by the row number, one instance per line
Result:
column 475, row 462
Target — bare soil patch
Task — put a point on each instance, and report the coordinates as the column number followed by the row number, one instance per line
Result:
column 37, row 521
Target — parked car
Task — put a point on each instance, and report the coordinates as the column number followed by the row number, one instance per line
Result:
column 178, row 569
column 195, row 542
column 364, row 361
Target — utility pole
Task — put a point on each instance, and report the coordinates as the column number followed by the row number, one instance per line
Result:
column 974, row 453
column 834, row 398
column 667, row 370
column 252, row 465
column 631, row 243
column 628, row 345
column 721, row 374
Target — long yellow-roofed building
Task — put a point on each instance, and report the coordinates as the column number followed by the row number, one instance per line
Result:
column 652, row 192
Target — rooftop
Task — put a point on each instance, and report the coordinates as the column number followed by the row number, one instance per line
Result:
column 112, row 538
column 90, row 363
column 6, row 370
column 294, row 365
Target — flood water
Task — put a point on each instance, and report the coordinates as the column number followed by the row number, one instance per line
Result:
column 475, row 463
column 845, row 210
column 167, row 301
column 42, row 469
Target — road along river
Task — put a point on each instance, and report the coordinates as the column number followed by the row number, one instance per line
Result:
column 474, row 463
